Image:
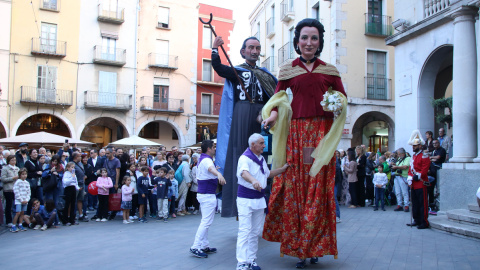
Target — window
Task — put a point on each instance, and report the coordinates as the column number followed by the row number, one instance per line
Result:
column 107, row 88
column 375, row 7
column 162, row 47
column 48, row 41
column 49, row 4
column 163, row 17
column 46, row 84
column 109, row 46
column 206, row 104
column 291, row 51
column 376, row 75
column 207, row 38
column 110, row 8
column 160, row 93
column 207, row 71
column 316, row 11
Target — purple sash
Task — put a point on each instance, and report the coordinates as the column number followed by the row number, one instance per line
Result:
column 202, row 156
column 247, row 193
column 208, row 186
column 248, row 153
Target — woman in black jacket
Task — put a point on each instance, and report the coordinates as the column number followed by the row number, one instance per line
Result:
column 361, row 164
column 370, row 170
column 34, row 176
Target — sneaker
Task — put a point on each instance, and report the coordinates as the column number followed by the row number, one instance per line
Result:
column 145, row 219
column 135, row 217
column 399, row 208
column 243, row 266
column 44, row 227
column 174, row 216
column 406, row 209
column 14, row 228
column 131, row 217
column 314, row 260
column 186, row 213
column 338, row 220
column 199, row 254
column 130, row 221
column 91, row 209
column 301, row 264
column 383, row 209
column 375, row 209
column 94, row 217
column 159, row 218
column 21, row 228
column 125, row 221
column 254, row 265
column 103, row 220
column 31, row 226
column 180, row 214
column 141, row 220
column 351, row 206
column 432, row 213
column 111, row 217
column 83, row 218
column 97, row 220
column 209, row 250
column 165, row 220
column 36, row 227
column 9, row 225
column 75, row 223
column 195, row 212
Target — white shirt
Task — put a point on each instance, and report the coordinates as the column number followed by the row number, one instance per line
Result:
column 94, row 161
column 246, row 164
column 202, row 171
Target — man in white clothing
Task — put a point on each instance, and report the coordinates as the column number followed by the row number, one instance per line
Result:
column 252, row 174
column 208, row 178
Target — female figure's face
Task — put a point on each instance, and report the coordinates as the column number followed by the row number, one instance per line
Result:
column 308, row 42
column 34, row 154
column 428, row 136
column 13, row 161
column 84, row 159
column 41, row 159
column 142, row 161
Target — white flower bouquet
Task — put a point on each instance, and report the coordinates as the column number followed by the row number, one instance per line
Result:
column 332, row 102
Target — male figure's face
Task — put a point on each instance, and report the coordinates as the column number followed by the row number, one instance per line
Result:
column 93, row 154
column 441, row 132
column 258, row 146
column 416, row 148
column 109, row 154
column 436, row 144
column 102, row 152
column 144, row 153
column 199, row 150
column 174, row 149
column 119, row 152
column 251, row 51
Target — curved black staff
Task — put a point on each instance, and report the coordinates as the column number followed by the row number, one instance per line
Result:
column 230, row 62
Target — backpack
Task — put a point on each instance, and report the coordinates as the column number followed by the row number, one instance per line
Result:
column 179, row 174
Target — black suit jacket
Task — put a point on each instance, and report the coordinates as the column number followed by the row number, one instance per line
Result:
column 98, row 166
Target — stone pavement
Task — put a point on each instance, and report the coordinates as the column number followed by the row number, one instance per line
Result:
column 366, row 240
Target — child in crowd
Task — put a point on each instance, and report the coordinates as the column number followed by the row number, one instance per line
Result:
column 21, row 189
column 143, row 183
column 380, row 181
column 131, row 172
column 152, row 196
column 172, row 192
column 70, row 185
column 127, row 191
column 103, row 184
column 350, row 169
column 162, row 184
column 41, row 213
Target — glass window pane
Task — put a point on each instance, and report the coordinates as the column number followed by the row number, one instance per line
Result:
column 207, row 38
column 207, row 71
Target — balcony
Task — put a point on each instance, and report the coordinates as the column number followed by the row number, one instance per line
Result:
column 49, row 47
column 50, row 5
column 286, row 52
column 434, row 7
column 287, row 11
column 206, row 109
column 269, row 64
column 157, row 60
column 111, row 16
column 271, row 27
column 257, row 35
column 378, row 88
column 378, row 25
column 107, row 101
column 109, row 56
column 42, row 96
column 168, row 105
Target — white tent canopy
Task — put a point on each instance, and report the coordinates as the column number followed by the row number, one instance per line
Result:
column 134, row 141
column 41, row 139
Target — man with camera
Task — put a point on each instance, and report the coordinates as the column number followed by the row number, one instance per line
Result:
column 401, row 186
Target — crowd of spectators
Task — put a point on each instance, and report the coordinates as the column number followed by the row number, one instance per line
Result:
column 43, row 189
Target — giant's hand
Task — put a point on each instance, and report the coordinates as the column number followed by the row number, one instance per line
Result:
column 217, row 42
column 270, row 121
column 221, row 180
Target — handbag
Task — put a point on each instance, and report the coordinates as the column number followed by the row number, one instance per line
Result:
column 114, row 201
column 49, row 183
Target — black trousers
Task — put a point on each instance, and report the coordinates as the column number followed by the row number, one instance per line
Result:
column 369, row 192
column 134, row 205
column 102, row 206
column 420, row 206
column 361, row 190
column 9, row 198
column 431, row 193
column 70, row 194
column 352, row 188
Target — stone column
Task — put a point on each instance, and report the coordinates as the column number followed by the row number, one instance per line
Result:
column 478, row 84
column 464, row 85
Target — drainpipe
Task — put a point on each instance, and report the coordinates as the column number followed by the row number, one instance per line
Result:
column 135, row 69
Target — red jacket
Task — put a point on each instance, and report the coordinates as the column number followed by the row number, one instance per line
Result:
column 421, row 164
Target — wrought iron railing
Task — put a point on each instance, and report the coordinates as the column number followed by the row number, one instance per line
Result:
column 378, row 88
column 378, row 25
column 162, row 60
column 111, row 16
column 108, row 101
column 286, row 52
column 109, row 56
column 270, row 27
column 50, row 47
column 161, row 105
column 269, row 63
column 286, row 10
column 432, row 7
column 206, row 109
column 38, row 95
column 50, row 5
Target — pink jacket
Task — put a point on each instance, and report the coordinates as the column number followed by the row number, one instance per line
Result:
column 104, row 182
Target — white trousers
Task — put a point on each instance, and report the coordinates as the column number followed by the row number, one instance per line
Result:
column 401, row 191
column 182, row 196
column 250, row 225
column 208, row 202
column 162, row 208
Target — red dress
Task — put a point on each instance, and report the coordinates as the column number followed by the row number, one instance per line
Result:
column 302, row 208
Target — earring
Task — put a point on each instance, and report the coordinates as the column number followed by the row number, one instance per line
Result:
column 296, row 48
column 318, row 50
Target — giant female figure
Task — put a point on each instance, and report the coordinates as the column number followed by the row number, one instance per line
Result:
column 302, row 205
